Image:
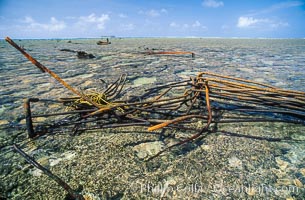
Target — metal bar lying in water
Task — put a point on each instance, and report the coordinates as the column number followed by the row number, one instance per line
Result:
column 59, row 181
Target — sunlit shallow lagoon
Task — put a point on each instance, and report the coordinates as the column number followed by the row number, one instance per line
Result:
column 107, row 163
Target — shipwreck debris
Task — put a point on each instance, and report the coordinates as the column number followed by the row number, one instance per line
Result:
column 68, row 50
column 84, row 55
column 103, row 42
column 80, row 54
column 208, row 97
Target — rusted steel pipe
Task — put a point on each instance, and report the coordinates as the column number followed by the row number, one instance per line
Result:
column 28, row 116
column 45, row 69
column 72, row 194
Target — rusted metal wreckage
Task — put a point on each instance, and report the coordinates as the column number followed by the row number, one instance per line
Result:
column 100, row 42
column 208, row 97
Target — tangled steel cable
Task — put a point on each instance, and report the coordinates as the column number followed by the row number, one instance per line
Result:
column 208, row 97
column 203, row 98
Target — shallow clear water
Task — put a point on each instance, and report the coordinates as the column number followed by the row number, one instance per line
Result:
column 279, row 62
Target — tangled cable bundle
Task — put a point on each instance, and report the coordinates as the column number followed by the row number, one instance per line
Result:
column 210, row 98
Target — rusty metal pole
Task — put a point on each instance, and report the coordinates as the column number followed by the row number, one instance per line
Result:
column 71, row 193
column 45, row 69
column 28, row 116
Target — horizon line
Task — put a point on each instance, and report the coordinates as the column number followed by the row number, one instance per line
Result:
column 169, row 37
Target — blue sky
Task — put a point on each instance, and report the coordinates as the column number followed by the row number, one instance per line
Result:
column 154, row 18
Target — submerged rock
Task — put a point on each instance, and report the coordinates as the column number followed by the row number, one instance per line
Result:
column 144, row 80
column 148, row 149
column 234, row 162
column 281, row 163
column 4, row 122
column 64, row 156
column 298, row 183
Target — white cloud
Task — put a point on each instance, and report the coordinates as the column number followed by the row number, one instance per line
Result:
column 196, row 24
column 121, row 15
column 163, row 10
column 53, row 25
column 278, row 6
column 287, row 4
column 153, row 12
column 283, row 5
column 246, row 22
column 185, row 26
column 250, row 22
column 254, row 19
column 28, row 20
column 93, row 20
column 278, row 24
column 212, row 3
column 127, row 27
column 173, row 24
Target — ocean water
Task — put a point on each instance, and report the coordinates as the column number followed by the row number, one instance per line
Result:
column 104, row 163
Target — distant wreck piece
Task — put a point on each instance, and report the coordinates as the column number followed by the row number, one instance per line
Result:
column 103, row 42
column 68, row 50
column 151, row 52
column 80, row 54
column 84, row 55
